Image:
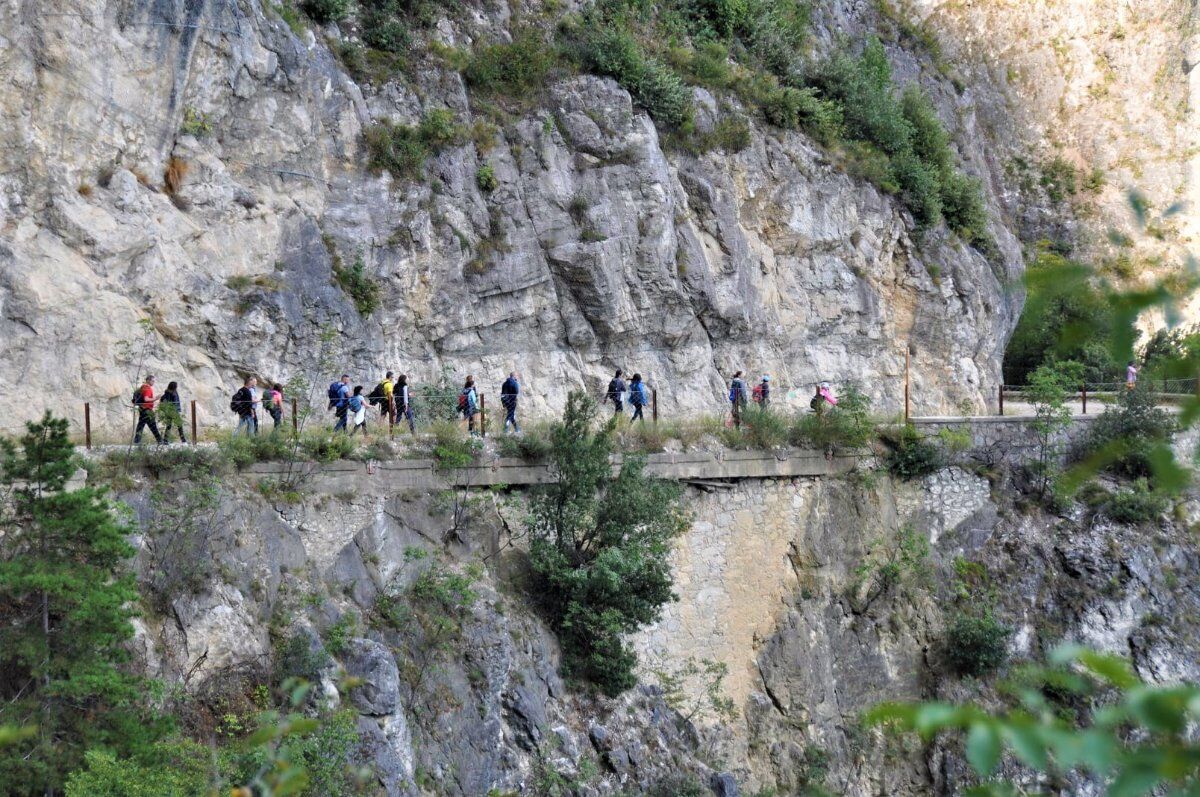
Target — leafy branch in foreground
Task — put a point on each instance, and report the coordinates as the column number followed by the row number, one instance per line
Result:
column 1138, row 742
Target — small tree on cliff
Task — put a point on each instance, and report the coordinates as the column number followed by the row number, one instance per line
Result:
column 64, row 617
column 599, row 546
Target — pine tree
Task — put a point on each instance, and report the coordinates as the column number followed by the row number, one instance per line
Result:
column 65, row 610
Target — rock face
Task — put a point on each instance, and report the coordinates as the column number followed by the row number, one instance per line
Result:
column 598, row 248
column 777, row 588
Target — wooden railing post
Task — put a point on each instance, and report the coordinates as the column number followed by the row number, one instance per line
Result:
column 87, row 425
column 906, row 383
column 483, row 416
column 195, row 425
column 1083, row 392
column 1002, row 398
column 654, row 404
column 295, row 418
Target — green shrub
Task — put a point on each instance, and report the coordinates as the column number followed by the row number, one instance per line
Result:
column 452, row 447
column 707, row 65
column 326, row 446
column 804, row 109
column 920, row 188
column 382, row 31
column 1126, row 434
column 485, row 178
column 326, row 10
column 299, row 656
column 610, row 51
column 868, row 162
column 599, row 548
column 930, row 142
column 864, row 88
column 976, row 644
column 846, row 427
column 402, row 149
column 963, row 208
column 1136, row 504
column 910, row 455
column 764, row 428
column 715, row 19
column 169, row 769
column 243, row 450
column 361, row 289
column 515, row 69
column 532, row 445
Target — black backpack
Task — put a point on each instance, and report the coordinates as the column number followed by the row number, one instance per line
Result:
column 377, row 396
column 815, row 403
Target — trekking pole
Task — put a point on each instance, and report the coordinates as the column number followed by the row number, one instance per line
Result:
column 87, row 425
column 482, row 415
column 654, row 404
column 194, row 424
column 295, row 419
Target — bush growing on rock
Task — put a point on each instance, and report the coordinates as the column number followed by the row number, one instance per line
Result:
column 599, row 547
column 326, row 10
column 515, row 69
column 1127, row 435
column 976, row 645
column 846, row 427
column 1136, row 504
column 910, row 455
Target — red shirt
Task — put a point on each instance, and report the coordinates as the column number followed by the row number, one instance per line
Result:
column 147, row 402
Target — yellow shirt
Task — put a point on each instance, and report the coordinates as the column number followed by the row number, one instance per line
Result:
column 387, row 389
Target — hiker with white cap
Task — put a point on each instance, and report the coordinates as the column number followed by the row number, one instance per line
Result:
column 761, row 395
column 824, row 398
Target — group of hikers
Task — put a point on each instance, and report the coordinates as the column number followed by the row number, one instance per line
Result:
column 394, row 400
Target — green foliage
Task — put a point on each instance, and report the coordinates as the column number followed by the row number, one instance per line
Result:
column 403, row 149
column 186, row 514
column 1129, row 437
column 764, row 428
column 515, row 69
column 299, row 656
column 195, row 123
column 338, row 634
column 910, row 455
column 930, row 143
column 243, row 450
column 383, row 31
column 168, row 769
column 485, row 178
column 899, row 563
column 532, row 445
column 452, row 448
column 361, row 289
column 326, row 10
column 1060, row 179
column 964, row 211
column 1067, row 317
column 976, row 644
column 1136, row 504
column 1047, row 390
column 1141, row 742
column 323, row 445
column 1172, row 354
column 599, row 547
column 611, row 51
column 65, row 611
column 326, row 756
column 707, row 65
column 846, row 427
column 804, row 109
column 690, row 699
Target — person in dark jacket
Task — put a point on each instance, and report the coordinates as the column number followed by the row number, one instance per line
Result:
column 508, row 399
column 243, row 404
column 638, row 398
column 274, row 404
column 616, row 393
column 468, row 403
column 171, row 410
column 737, row 398
column 339, row 401
column 403, row 398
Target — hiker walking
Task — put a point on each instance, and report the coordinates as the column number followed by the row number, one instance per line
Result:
column 824, row 398
column 637, row 398
column 762, row 392
column 143, row 399
column 171, row 410
column 468, row 403
column 389, row 397
column 275, row 404
column 404, row 402
column 242, row 403
column 339, row 400
column 356, row 409
column 616, row 393
column 737, row 398
column 508, row 399
column 1131, row 375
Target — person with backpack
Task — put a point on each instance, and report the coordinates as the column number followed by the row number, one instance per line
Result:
column 381, row 395
column 468, row 403
column 389, row 397
column 508, row 399
column 275, row 404
column 242, row 403
column 638, row 398
column 762, row 392
column 616, row 393
column 737, row 398
column 404, row 402
column 144, row 400
column 826, row 394
column 171, row 410
column 356, row 408
column 339, row 400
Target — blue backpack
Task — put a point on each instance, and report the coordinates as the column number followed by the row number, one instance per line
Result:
column 335, row 395
column 637, row 396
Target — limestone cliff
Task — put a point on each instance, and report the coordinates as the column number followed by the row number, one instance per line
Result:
column 199, row 164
